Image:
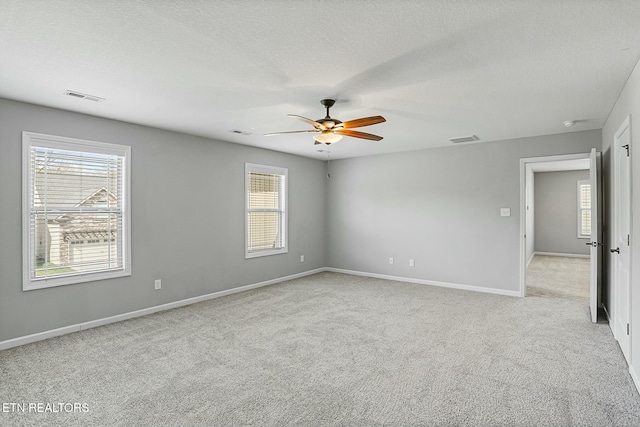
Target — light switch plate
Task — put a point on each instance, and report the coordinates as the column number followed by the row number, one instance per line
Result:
column 505, row 211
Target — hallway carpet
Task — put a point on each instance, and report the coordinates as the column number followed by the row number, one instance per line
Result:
column 562, row 277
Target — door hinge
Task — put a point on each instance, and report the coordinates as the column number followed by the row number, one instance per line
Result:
column 627, row 240
column 627, row 329
column 626, row 147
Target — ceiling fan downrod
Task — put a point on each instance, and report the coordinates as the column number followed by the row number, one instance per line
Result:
column 328, row 103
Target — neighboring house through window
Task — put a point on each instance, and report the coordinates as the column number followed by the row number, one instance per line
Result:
column 76, row 211
column 266, row 210
column 584, row 209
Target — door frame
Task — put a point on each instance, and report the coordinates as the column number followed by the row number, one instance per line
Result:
column 524, row 164
column 616, row 300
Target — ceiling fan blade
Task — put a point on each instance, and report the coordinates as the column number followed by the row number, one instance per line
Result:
column 365, row 121
column 313, row 123
column 291, row 131
column 356, row 134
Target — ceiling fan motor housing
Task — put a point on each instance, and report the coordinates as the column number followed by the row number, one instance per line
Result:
column 329, row 122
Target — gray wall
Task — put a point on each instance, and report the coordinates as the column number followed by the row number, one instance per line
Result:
column 440, row 207
column 628, row 104
column 556, row 218
column 187, row 223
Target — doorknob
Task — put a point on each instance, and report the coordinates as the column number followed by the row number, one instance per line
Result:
column 594, row 244
column 616, row 250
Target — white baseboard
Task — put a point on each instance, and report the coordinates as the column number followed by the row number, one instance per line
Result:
column 606, row 313
column 428, row 282
column 27, row 339
column 561, row 254
column 530, row 259
column 635, row 377
column 15, row 342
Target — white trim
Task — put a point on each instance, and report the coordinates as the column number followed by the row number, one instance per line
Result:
column 580, row 183
column 27, row 339
column 524, row 162
column 635, row 378
column 272, row 170
column 606, row 313
column 616, row 299
column 530, row 259
column 427, row 282
column 30, row 139
column 39, row 336
column 559, row 254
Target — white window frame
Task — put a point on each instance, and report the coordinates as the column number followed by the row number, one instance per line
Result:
column 31, row 139
column 284, row 201
column 580, row 209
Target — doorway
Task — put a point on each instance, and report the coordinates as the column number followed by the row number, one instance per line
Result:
column 568, row 259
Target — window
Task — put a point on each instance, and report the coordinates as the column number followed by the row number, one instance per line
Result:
column 266, row 210
column 76, row 211
column 584, row 209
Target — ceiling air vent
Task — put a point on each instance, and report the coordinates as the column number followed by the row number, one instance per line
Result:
column 84, row 96
column 469, row 138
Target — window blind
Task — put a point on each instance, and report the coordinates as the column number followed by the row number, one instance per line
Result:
column 584, row 208
column 266, row 210
column 76, row 211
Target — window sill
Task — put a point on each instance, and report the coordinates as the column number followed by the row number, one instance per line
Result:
column 31, row 285
column 268, row 252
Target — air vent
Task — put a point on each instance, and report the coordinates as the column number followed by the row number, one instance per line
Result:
column 469, row 138
column 84, row 96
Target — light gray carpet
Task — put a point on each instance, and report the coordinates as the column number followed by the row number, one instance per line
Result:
column 564, row 277
column 334, row 350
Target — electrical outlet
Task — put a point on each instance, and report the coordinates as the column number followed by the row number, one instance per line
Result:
column 391, row 260
column 412, row 263
column 158, row 284
column 301, row 258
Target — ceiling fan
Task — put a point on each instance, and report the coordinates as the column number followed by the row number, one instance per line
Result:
column 331, row 130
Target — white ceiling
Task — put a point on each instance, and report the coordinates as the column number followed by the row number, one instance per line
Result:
column 434, row 69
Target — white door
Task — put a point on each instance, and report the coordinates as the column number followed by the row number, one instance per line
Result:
column 596, row 241
column 621, row 252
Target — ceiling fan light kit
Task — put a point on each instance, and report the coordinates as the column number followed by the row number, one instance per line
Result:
column 332, row 130
column 327, row 137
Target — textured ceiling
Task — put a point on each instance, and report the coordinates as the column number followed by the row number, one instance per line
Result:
column 434, row 69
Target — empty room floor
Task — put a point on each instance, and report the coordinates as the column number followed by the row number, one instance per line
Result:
column 334, row 350
column 562, row 277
